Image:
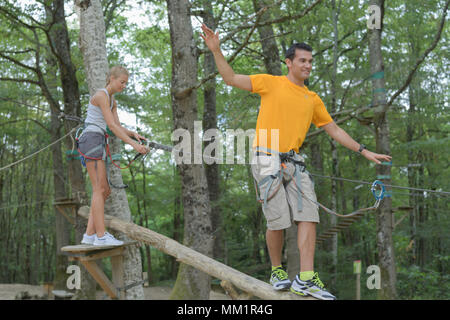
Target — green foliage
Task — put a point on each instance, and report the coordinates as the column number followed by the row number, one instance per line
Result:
column 417, row 284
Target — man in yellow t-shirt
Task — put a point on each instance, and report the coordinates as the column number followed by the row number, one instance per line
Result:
column 287, row 110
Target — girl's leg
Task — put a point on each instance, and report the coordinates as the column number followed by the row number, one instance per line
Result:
column 100, row 192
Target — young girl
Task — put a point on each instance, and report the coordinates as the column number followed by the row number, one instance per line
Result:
column 102, row 112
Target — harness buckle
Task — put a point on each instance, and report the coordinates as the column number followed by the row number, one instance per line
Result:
column 289, row 157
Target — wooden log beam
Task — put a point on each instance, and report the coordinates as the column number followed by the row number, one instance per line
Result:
column 197, row 260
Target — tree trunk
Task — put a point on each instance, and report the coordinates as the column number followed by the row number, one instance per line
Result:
column 269, row 45
column 60, row 192
column 212, row 171
column 334, row 152
column 191, row 283
column 93, row 47
column 59, row 38
column 146, row 218
column 71, row 94
column 62, row 234
column 385, row 246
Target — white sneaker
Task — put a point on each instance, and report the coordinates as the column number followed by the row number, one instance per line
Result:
column 313, row 287
column 88, row 239
column 107, row 240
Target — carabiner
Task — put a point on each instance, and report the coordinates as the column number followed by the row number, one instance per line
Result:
column 379, row 196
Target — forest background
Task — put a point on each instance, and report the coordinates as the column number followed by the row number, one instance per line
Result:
column 138, row 37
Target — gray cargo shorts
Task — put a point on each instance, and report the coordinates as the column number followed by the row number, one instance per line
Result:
column 282, row 208
column 92, row 144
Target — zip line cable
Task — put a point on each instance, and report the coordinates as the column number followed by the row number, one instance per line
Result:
column 166, row 148
column 33, row 154
column 386, row 185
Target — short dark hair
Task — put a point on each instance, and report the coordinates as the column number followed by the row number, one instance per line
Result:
column 290, row 53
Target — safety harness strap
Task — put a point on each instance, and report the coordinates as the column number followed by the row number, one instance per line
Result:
column 284, row 157
column 271, row 180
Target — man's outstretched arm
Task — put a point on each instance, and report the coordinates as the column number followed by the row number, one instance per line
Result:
column 344, row 139
column 232, row 79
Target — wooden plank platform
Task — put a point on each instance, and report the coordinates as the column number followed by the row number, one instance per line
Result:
column 84, row 248
column 88, row 254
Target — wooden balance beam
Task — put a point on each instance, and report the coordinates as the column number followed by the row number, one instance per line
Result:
column 88, row 256
column 246, row 283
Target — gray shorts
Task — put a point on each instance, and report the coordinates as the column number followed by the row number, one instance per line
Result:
column 92, row 144
column 282, row 208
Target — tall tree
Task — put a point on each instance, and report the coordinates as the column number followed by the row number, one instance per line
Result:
column 385, row 244
column 60, row 46
column 191, row 283
column 212, row 170
column 334, row 151
column 59, row 178
column 93, row 47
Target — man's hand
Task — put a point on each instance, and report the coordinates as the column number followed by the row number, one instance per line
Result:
column 344, row 139
column 211, row 38
column 375, row 157
column 232, row 79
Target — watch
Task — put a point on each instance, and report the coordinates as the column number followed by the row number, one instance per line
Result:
column 361, row 148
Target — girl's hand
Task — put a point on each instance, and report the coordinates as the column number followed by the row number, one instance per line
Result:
column 140, row 148
column 137, row 136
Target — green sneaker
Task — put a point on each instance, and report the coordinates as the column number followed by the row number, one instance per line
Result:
column 279, row 279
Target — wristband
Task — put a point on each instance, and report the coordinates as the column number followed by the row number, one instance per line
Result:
column 361, row 148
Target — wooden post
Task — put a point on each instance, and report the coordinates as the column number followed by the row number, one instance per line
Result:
column 88, row 255
column 67, row 203
column 357, row 270
column 117, row 274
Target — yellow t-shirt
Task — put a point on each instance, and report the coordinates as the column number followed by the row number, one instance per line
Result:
column 287, row 107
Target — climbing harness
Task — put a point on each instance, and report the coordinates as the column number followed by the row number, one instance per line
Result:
column 284, row 157
column 296, row 179
column 106, row 154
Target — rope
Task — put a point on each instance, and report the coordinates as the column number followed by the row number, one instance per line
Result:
column 386, row 185
column 374, row 207
column 33, row 154
column 155, row 145
column 166, row 148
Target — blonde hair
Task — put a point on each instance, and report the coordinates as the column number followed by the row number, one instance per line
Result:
column 115, row 72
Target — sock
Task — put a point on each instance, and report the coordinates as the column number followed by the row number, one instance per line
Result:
column 306, row 275
column 273, row 268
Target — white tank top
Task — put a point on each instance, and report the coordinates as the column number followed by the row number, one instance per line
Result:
column 95, row 122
